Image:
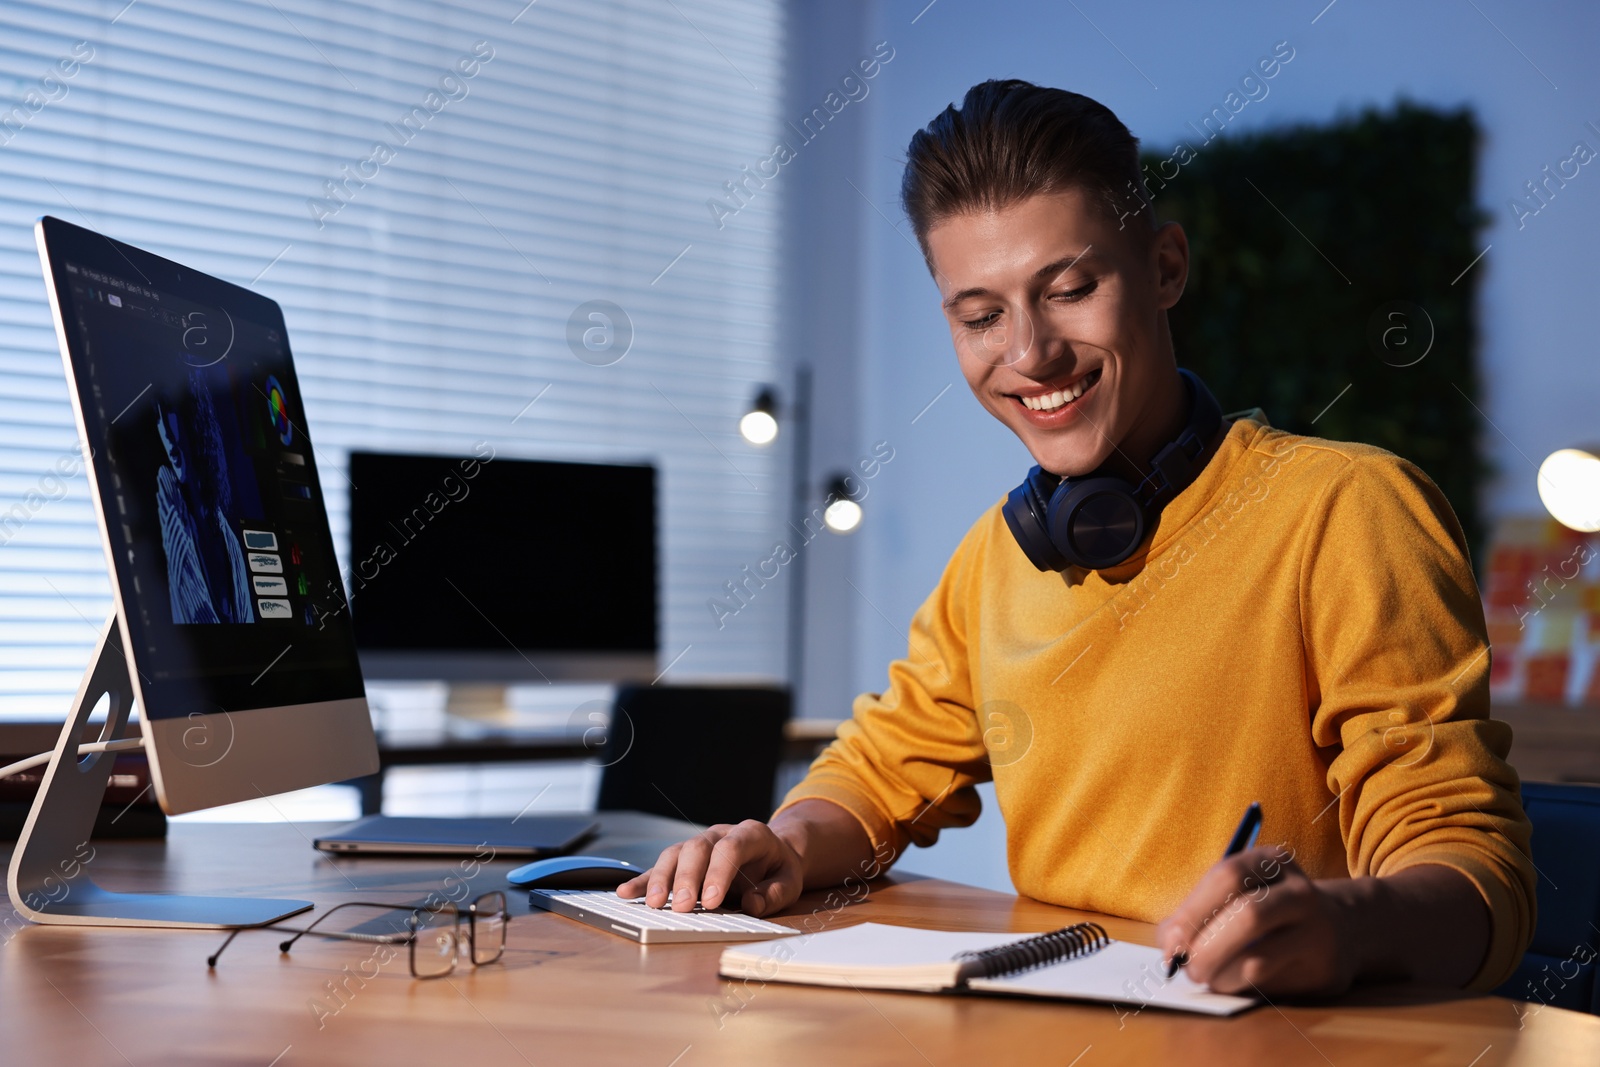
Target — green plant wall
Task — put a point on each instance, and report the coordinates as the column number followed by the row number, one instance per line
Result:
column 1325, row 262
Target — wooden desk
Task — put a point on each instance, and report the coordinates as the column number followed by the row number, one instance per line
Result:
column 568, row 994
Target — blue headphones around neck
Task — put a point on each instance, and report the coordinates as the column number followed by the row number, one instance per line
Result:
column 1098, row 520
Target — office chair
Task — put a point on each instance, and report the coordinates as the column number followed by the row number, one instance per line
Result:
column 706, row 754
column 1560, row 965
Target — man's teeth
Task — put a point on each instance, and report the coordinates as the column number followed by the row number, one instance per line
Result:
column 1059, row 398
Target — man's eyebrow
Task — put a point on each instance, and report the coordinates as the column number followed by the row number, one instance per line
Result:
column 1053, row 267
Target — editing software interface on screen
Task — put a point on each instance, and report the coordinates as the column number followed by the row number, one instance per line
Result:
column 211, row 496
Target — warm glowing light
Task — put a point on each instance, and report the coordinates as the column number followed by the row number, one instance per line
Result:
column 842, row 515
column 758, row 427
column 1569, row 485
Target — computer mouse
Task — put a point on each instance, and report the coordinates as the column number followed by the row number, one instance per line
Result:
column 573, row 872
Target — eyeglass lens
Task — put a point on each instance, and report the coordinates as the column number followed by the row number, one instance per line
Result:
column 433, row 949
column 488, row 927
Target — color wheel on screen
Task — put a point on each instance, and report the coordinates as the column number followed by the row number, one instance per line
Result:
column 278, row 408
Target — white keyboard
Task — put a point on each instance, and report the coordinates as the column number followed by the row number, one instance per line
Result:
column 635, row 919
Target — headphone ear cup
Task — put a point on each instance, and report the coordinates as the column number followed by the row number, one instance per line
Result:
column 1096, row 522
column 1026, row 512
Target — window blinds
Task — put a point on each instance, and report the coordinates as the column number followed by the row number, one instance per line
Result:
column 438, row 194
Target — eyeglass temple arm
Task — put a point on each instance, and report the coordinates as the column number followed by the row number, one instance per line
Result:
column 211, row 960
column 284, row 946
column 411, row 925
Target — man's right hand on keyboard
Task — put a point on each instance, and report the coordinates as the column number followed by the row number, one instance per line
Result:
column 759, row 867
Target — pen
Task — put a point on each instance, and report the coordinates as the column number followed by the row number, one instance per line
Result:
column 1244, row 837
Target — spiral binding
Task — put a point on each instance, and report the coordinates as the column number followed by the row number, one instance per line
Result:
column 1067, row 943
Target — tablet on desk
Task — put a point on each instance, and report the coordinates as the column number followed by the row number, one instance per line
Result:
column 526, row 835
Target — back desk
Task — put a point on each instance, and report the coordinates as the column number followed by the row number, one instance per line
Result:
column 568, row 994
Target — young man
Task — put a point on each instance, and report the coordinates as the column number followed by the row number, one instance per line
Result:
column 1297, row 625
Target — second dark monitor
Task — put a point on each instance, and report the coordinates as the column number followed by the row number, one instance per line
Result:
column 481, row 567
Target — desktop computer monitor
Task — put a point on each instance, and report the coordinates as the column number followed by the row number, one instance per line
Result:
column 228, row 628
column 483, row 570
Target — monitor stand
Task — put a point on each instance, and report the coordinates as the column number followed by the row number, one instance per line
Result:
column 49, row 880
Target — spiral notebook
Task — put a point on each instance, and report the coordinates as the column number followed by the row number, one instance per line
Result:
column 1077, row 962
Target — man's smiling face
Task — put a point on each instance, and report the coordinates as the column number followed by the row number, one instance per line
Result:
column 1058, row 319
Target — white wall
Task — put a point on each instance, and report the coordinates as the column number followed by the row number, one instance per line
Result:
column 1159, row 65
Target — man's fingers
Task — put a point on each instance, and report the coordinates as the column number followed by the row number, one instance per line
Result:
column 1278, row 964
column 693, row 858
column 1239, row 930
column 773, row 894
column 747, row 864
column 740, row 857
column 1210, row 894
column 1245, row 877
column 659, row 880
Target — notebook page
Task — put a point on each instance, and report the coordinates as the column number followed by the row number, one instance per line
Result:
column 1128, row 974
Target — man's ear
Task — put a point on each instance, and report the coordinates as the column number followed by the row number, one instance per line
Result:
column 1169, row 254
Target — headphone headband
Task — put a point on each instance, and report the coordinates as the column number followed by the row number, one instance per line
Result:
column 1179, row 463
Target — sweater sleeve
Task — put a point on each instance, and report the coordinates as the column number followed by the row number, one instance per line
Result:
column 907, row 763
column 1397, row 681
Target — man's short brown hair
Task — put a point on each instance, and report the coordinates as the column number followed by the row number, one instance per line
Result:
column 1010, row 140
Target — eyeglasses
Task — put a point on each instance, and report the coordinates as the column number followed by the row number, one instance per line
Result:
column 432, row 932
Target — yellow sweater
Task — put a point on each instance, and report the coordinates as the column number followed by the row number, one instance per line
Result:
column 1303, row 630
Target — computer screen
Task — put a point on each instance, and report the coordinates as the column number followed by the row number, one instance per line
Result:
column 483, row 566
column 217, row 526
column 210, row 506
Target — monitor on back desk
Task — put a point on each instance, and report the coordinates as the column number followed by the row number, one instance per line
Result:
column 229, row 628
column 484, row 570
